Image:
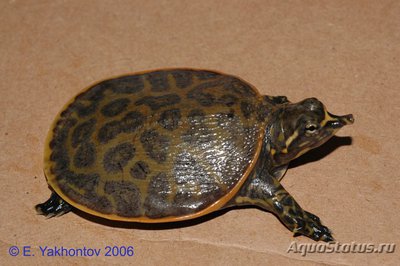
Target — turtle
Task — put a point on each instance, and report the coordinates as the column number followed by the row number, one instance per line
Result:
column 175, row 144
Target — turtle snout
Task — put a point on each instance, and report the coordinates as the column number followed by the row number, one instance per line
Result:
column 347, row 119
column 336, row 121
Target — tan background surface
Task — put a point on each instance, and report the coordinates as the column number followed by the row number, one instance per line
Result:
column 346, row 53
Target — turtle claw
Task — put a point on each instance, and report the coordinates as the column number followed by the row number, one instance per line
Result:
column 322, row 234
column 311, row 226
column 327, row 238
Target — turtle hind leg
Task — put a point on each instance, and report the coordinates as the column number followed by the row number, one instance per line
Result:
column 54, row 206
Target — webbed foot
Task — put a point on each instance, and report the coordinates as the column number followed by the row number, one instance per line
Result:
column 299, row 221
column 311, row 226
column 54, row 206
column 267, row 193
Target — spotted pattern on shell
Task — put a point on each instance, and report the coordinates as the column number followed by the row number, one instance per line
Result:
column 109, row 131
column 159, row 144
column 140, row 170
column 169, row 119
column 157, row 102
column 127, row 197
column 158, row 81
column 183, row 78
column 126, row 85
column 155, row 145
column 116, row 158
column 85, row 155
column 156, row 204
column 115, row 107
column 83, row 132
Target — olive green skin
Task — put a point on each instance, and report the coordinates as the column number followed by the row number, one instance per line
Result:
column 175, row 144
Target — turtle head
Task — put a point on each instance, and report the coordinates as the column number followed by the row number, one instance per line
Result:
column 300, row 127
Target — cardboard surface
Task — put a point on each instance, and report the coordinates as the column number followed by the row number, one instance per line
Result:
column 346, row 53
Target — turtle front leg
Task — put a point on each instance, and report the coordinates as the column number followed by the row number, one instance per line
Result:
column 54, row 206
column 267, row 193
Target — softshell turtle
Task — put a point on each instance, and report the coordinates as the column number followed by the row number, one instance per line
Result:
column 176, row 144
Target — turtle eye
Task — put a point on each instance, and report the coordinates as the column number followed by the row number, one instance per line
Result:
column 311, row 128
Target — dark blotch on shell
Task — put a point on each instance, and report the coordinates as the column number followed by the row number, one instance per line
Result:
column 156, row 204
column 85, row 155
column 84, row 109
column 140, row 170
column 116, row 158
column 115, row 107
column 86, row 103
column 127, row 197
column 94, row 94
column 155, row 145
column 87, row 182
column 57, row 145
column 132, row 121
column 67, row 112
column 247, row 109
column 238, row 87
column 156, row 102
column 200, row 94
column 126, row 84
column 109, row 131
column 198, row 133
column 204, row 97
column 89, row 199
column 228, row 100
column 158, row 80
column 60, row 132
column 97, row 203
column 60, row 157
column 82, row 132
column 169, row 119
column 128, row 124
column 183, row 78
column 204, row 74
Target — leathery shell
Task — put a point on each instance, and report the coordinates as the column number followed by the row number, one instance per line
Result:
column 156, row 146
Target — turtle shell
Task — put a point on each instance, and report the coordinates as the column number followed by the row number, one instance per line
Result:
column 156, row 146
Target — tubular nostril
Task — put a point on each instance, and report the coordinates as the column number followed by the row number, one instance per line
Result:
column 347, row 119
column 350, row 119
column 342, row 120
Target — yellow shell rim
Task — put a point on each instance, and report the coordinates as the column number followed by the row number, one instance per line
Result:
column 218, row 204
